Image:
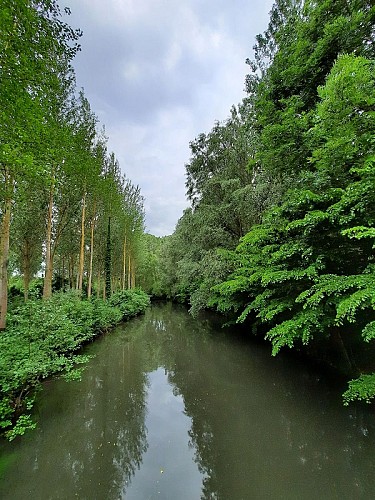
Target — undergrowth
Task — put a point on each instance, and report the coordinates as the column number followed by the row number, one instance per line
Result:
column 43, row 338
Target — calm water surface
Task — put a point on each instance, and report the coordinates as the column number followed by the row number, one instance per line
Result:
column 175, row 408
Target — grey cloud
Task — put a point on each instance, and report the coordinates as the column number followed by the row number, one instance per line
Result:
column 111, row 51
column 157, row 77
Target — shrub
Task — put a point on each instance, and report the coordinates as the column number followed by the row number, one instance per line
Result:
column 42, row 338
column 130, row 302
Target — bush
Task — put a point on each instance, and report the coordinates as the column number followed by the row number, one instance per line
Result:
column 130, row 302
column 42, row 338
column 105, row 315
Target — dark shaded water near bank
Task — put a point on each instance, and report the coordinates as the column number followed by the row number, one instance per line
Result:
column 176, row 408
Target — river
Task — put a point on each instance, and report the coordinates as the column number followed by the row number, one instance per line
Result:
column 175, row 408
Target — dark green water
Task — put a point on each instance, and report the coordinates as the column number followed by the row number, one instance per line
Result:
column 174, row 408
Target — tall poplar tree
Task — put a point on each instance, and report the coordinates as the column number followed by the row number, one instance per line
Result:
column 35, row 45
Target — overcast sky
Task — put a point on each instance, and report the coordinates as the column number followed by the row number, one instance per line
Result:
column 157, row 73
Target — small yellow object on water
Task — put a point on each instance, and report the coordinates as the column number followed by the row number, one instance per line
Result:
column 161, row 471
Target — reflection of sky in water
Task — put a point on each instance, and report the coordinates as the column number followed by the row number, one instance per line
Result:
column 168, row 470
column 222, row 420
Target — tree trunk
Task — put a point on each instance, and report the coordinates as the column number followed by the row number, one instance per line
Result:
column 63, row 274
column 98, row 285
column 4, row 253
column 129, row 272
column 71, row 272
column 47, row 287
column 108, row 262
column 133, row 276
column 124, row 266
column 77, row 276
column 26, row 263
column 26, row 282
column 82, row 247
column 89, row 285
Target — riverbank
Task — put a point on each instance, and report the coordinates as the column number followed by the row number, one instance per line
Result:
column 43, row 338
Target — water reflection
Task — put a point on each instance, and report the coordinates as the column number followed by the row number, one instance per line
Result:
column 92, row 434
column 168, row 469
column 173, row 407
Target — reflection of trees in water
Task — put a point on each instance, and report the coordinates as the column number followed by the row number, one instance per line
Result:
column 263, row 426
column 123, row 429
column 260, row 427
column 171, row 338
column 99, row 424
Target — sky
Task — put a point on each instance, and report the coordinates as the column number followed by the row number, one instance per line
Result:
column 157, row 73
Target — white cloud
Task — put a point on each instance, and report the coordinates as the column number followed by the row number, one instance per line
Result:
column 157, row 73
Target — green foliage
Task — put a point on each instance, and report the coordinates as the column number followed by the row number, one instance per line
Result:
column 307, row 269
column 344, row 121
column 302, row 327
column 107, row 260
column 42, row 339
column 58, row 184
column 23, row 424
column 226, row 203
column 105, row 316
column 362, row 389
column 294, row 57
column 130, row 302
column 149, row 268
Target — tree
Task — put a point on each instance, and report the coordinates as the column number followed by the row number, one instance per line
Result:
column 87, row 168
column 307, row 270
column 28, row 229
column 293, row 58
column 35, row 45
column 150, row 272
column 229, row 193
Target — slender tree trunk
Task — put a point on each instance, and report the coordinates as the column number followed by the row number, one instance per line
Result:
column 4, row 253
column 124, row 265
column 129, row 272
column 89, row 286
column 71, row 272
column 133, row 276
column 99, row 285
column 47, row 287
column 82, row 247
column 26, row 264
column 108, row 261
column 26, row 281
column 63, row 273
column 4, row 243
column 77, row 276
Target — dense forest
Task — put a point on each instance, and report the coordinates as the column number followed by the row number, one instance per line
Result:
column 280, row 232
